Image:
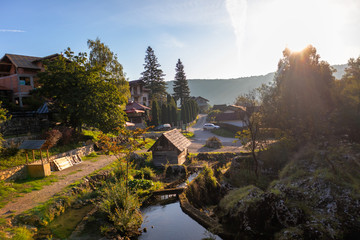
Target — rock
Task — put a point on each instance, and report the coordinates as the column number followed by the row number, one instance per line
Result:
column 145, row 229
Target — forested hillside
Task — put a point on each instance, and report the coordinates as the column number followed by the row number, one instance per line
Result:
column 225, row 91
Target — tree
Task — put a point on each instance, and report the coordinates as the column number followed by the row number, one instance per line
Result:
column 110, row 69
column 3, row 118
column 155, row 113
column 251, row 137
column 347, row 114
column 164, row 113
column 153, row 76
column 81, row 94
column 300, row 100
column 181, row 88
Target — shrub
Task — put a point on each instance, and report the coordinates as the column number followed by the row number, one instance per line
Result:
column 213, row 142
column 121, row 208
column 52, row 137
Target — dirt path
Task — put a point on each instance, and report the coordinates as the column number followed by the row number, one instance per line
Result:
column 66, row 177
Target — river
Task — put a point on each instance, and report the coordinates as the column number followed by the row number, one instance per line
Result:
column 170, row 222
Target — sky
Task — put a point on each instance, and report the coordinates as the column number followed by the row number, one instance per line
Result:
column 213, row 38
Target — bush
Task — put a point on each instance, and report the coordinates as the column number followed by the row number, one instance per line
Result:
column 122, row 210
column 52, row 136
column 213, row 142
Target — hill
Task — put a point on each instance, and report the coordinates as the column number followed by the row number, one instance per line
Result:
column 225, row 91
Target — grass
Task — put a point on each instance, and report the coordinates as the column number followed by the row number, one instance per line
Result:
column 222, row 132
column 10, row 190
column 92, row 157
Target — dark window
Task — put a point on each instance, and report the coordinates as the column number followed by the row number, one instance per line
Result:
column 25, row 81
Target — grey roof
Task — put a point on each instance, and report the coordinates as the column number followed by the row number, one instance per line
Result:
column 27, row 61
column 32, row 144
column 175, row 138
column 23, row 61
column 43, row 109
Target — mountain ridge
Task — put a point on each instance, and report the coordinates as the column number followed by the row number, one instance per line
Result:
column 225, row 91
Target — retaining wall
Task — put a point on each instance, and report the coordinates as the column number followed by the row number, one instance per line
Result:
column 20, row 172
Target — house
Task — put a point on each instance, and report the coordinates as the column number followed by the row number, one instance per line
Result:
column 233, row 115
column 18, row 76
column 139, row 93
column 137, row 113
column 171, row 147
column 202, row 103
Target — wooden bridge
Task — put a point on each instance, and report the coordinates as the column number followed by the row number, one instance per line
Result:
column 168, row 191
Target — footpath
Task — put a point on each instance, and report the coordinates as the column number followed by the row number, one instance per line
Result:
column 65, row 178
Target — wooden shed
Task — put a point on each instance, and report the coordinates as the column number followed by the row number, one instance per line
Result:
column 171, row 147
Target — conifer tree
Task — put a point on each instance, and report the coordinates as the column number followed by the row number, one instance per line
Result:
column 164, row 113
column 155, row 113
column 153, row 76
column 181, row 88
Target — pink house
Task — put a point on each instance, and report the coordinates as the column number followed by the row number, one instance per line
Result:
column 18, row 75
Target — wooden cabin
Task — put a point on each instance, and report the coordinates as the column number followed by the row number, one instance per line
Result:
column 171, row 147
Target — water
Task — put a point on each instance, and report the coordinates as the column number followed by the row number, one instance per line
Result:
column 170, row 222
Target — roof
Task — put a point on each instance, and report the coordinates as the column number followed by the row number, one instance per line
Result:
column 135, row 82
column 32, row 144
column 43, row 109
column 175, row 138
column 235, row 107
column 201, row 98
column 26, row 61
column 23, row 61
column 136, row 106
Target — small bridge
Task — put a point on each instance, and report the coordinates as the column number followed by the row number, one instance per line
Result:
column 169, row 191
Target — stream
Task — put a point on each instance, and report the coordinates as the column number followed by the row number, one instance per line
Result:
column 170, row 222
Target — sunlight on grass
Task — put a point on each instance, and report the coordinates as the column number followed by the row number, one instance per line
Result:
column 13, row 189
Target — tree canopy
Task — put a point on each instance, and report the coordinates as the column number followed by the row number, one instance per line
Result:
column 300, row 99
column 181, row 87
column 153, row 76
column 86, row 91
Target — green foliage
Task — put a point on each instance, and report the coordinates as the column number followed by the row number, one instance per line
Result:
column 233, row 197
column 213, row 142
column 223, row 132
column 85, row 92
column 300, row 99
column 155, row 113
column 213, row 114
column 122, row 208
column 153, row 76
column 164, row 113
column 188, row 134
column 3, row 118
column 181, row 88
column 347, row 114
column 204, row 189
column 22, row 233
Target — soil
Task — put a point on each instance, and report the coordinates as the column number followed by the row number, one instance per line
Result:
column 66, row 177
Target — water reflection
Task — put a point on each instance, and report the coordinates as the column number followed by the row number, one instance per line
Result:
column 170, row 222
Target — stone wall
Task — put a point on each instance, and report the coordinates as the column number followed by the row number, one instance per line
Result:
column 20, row 172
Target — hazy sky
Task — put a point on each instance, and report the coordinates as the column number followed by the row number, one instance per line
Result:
column 213, row 38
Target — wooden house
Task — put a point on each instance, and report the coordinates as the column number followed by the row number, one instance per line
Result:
column 171, row 147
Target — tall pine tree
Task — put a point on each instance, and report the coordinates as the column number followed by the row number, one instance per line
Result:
column 181, row 88
column 153, row 76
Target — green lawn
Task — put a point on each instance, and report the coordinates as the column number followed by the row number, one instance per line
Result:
column 10, row 190
column 223, row 132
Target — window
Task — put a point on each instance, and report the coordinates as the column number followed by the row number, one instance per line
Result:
column 144, row 101
column 25, row 81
